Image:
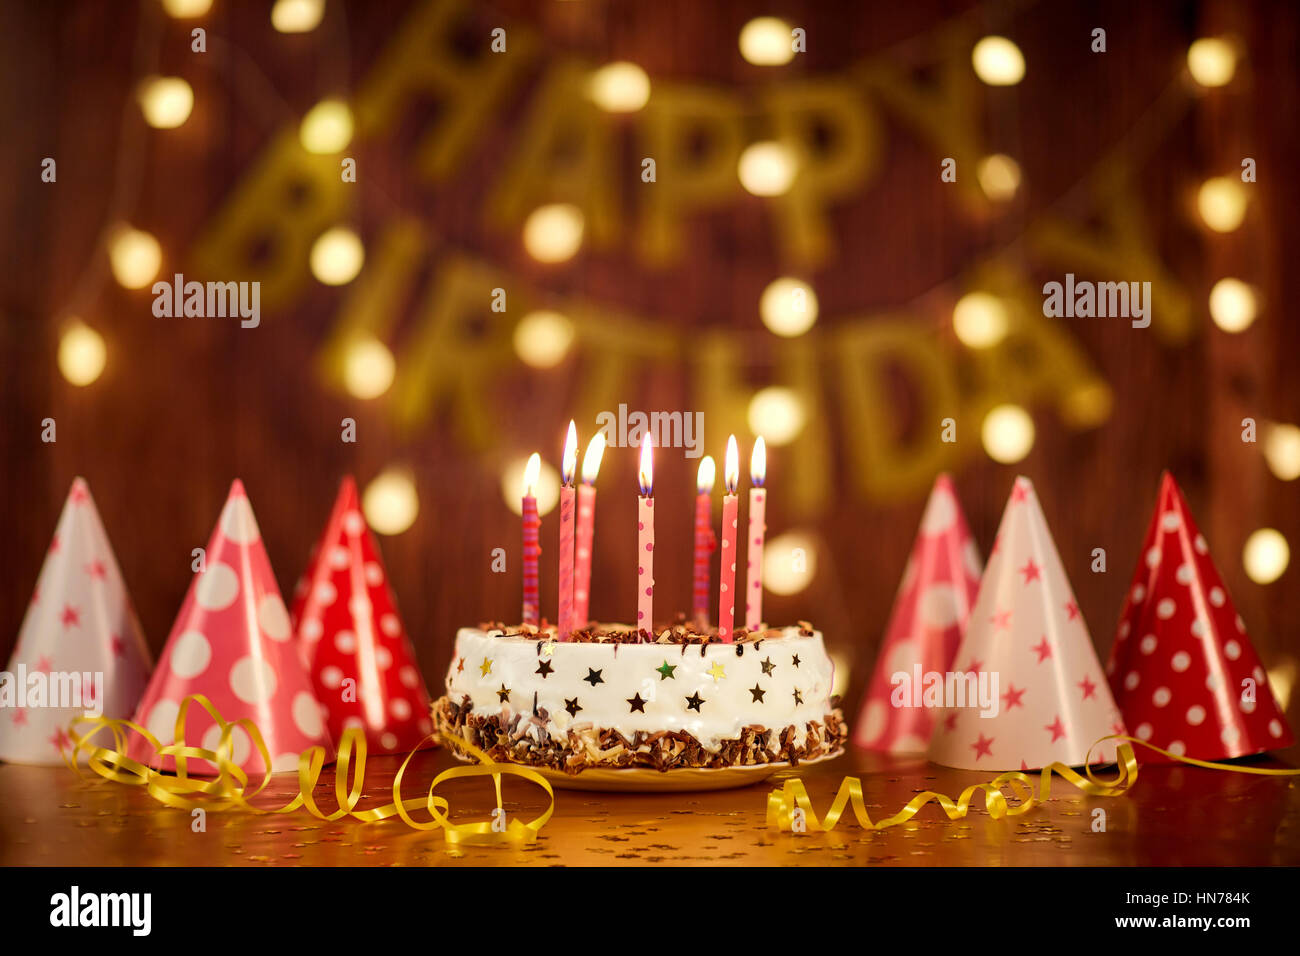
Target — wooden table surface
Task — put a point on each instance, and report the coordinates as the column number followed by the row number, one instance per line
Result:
column 1173, row 816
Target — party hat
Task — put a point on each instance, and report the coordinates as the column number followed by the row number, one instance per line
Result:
column 80, row 649
column 930, row 611
column 232, row 642
column 1029, row 661
column 352, row 639
column 1182, row 665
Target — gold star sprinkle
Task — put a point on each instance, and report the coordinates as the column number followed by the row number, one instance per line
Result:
column 716, row 671
column 548, row 648
column 486, row 667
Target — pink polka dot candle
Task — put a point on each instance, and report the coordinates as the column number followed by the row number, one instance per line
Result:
column 704, row 540
column 757, row 531
column 567, row 508
column 586, row 529
column 645, row 539
column 727, row 559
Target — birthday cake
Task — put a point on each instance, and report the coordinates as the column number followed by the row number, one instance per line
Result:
column 611, row 698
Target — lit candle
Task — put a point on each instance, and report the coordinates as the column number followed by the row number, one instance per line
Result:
column 757, row 529
column 569, row 464
column 532, row 543
column 645, row 540
column 705, row 541
column 727, row 564
column 586, row 529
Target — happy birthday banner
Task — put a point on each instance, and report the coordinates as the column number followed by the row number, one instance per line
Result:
column 891, row 379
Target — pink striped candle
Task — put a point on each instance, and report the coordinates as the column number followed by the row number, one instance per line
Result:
column 645, row 540
column 569, row 464
column 757, row 531
column 705, row 542
column 727, row 560
column 586, row 529
column 532, row 539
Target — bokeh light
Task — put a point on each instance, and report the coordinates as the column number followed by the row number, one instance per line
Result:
column 776, row 413
column 390, row 502
column 82, row 354
column 789, row 562
column 297, row 16
column 337, row 256
column 1282, row 450
column 767, row 41
column 1265, row 555
column 980, row 320
column 548, row 486
column 368, row 368
column 553, row 233
column 1008, row 433
column 1232, row 305
column 766, row 169
column 543, row 338
column 1212, row 61
column 1221, row 201
column 165, row 101
column 185, row 9
column 327, row 127
column 788, row 307
column 999, row 177
column 620, row 87
column 134, row 256
column 998, row 61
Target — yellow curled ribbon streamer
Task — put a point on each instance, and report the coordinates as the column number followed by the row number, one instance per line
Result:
column 229, row 788
column 782, row 803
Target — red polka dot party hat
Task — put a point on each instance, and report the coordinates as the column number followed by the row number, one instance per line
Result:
column 1182, row 666
column 1027, row 689
column 80, row 649
column 934, row 600
column 232, row 642
column 360, row 659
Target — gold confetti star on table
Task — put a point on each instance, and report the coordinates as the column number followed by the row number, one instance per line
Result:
column 486, row 667
column 716, row 671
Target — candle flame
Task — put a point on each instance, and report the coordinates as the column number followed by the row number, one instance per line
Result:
column 646, row 476
column 569, row 463
column 532, row 471
column 758, row 463
column 591, row 460
column 731, row 472
column 705, row 477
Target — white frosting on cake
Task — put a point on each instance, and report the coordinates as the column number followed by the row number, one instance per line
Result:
column 712, row 691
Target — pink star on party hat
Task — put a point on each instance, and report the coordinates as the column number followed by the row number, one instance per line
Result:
column 930, row 611
column 1026, row 630
column 350, row 635
column 1182, row 665
column 233, row 643
column 80, row 634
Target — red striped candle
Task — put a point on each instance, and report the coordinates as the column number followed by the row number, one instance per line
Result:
column 568, row 466
column 645, row 540
column 727, row 560
column 705, row 542
column 757, row 532
column 532, row 541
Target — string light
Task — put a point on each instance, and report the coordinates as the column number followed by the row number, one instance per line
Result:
column 134, row 256
column 1265, row 555
column 789, row 562
column 777, row 414
column 788, row 307
column 1008, row 433
column 980, row 320
column 368, row 368
column 82, row 354
column 1232, row 305
column 542, row 338
column 1212, row 61
column 619, row 87
column 999, row 176
column 327, row 127
column 766, row 169
column 546, row 489
column 297, row 16
column 1221, row 201
column 553, row 233
column 767, row 41
column 998, row 61
column 165, row 101
column 1282, row 450
column 186, row 9
column 390, row 501
column 337, row 256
